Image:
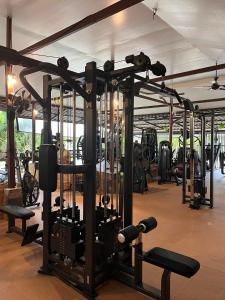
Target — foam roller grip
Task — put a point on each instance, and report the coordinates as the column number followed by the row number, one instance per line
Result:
column 148, row 224
column 128, row 234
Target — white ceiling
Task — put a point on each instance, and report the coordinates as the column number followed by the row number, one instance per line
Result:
column 184, row 35
column 200, row 22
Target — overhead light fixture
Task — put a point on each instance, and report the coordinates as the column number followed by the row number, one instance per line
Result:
column 35, row 112
column 119, row 18
column 11, row 82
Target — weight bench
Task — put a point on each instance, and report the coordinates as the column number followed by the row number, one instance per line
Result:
column 17, row 212
column 171, row 262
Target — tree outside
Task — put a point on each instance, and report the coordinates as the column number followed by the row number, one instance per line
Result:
column 23, row 140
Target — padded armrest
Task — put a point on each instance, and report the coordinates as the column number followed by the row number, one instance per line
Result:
column 172, row 261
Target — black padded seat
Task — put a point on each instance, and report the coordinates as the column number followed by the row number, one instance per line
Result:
column 17, row 212
column 171, row 261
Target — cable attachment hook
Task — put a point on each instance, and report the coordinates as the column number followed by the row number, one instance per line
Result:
column 147, row 75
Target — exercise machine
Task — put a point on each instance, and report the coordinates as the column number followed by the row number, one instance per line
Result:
column 87, row 249
column 165, row 162
column 29, row 183
column 140, row 167
column 194, row 166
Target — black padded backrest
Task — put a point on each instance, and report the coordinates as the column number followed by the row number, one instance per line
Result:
column 48, row 168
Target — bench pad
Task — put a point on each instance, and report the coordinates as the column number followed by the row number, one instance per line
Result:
column 17, row 211
column 171, row 261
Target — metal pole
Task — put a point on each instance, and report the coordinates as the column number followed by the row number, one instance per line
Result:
column 47, row 139
column 203, row 157
column 117, row 150
column 128, row 100
column 61, row 150
column 11, row 150
column 112, row 101
column 100, row 151
column 74, row 156
column 33, row 131
column 106, row 150
column 184, row 156
column 90, row 179
column 212, row 162
column 192, row 167
column 171, row 122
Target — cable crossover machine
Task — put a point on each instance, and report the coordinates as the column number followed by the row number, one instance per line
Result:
column 94, row 239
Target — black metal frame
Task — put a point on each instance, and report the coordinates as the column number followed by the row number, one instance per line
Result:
column 89, row 205
column 186, row 198
column 123, row 271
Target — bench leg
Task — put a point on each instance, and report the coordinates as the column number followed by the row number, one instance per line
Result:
column 138, row 264
column 24, row 226
column 11, row 223
column 165, row 285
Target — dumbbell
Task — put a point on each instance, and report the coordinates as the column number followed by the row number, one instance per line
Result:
column 130, row 233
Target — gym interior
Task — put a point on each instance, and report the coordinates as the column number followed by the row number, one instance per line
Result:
column 112, row 149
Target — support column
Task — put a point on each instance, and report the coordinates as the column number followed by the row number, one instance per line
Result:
column 47, row 139
column 33, row 131
column 171, row 122
column 90, row 178
column 10, row 115
column 212, row 162
column 128, row 99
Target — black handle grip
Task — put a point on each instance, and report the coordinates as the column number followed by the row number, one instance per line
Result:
column 148, row 224
column 128, row 234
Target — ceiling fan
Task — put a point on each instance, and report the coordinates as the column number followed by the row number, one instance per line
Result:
column 215, row 84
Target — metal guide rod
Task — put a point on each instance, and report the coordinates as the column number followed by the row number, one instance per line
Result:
column 212, row 162
column 184, row 155
column 112, row 145
column 192, row 168
column 74, row 156
column 61, row 148
column 33, row 131
column 117, row 149
column 58, row 120
column 106, row 149
column 121, row 197
column 100, row 151
column 68, row 135
column 171, row 121
column 203, row 154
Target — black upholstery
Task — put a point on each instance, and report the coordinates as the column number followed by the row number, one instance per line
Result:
column 17, row 211
column 171, row 261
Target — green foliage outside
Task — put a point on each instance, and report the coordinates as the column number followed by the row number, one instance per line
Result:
column 3, row 133
column 23, row 139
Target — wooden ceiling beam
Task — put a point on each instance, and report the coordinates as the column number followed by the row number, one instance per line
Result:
column 189, row 73
column 82, row 24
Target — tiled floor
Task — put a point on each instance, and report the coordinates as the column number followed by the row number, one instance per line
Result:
column 200, row 234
